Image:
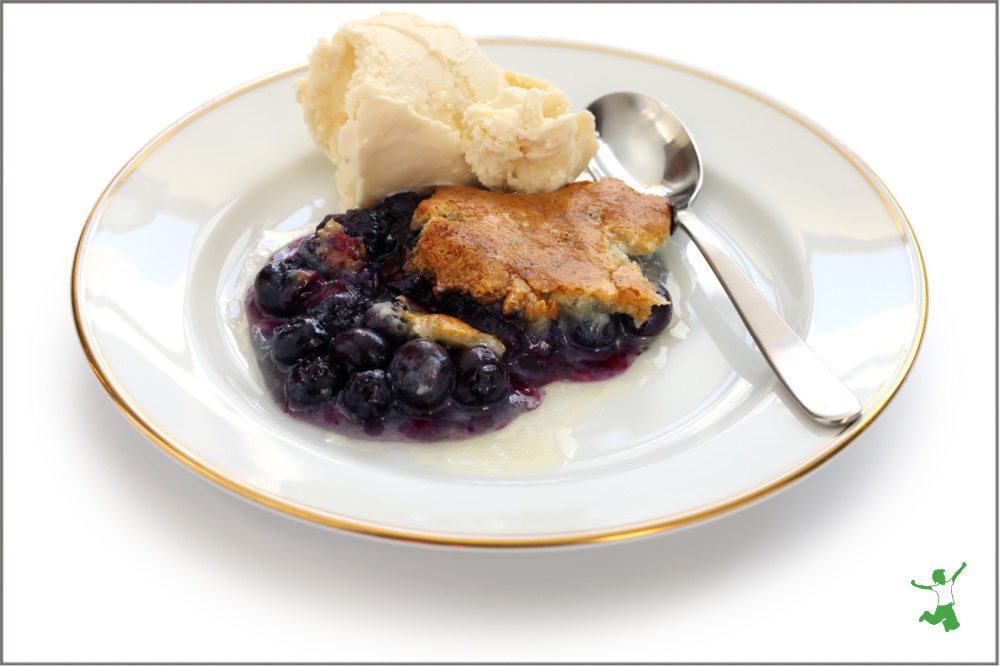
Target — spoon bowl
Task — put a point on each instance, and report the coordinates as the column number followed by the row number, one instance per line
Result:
column 652, row 146
column 644, row 144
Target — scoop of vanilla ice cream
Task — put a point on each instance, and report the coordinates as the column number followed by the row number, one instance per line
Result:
column 527, row 139
column 399, row 103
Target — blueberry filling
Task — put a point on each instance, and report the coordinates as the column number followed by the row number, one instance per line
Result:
column 312, row 383
column 329, row 325
column 360, row 349
column 339, row 311
column 422, row 374
column 281, row 286
column 482, row 377
column 297, row 339
column 367, row 396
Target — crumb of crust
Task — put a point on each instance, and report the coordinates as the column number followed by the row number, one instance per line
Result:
column 338, row 250
column 538, row 253
column 451, row 331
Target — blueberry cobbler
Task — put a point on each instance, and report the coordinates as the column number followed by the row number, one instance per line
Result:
column 442, row 317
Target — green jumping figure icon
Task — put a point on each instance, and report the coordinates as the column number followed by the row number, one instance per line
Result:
column 945, row 611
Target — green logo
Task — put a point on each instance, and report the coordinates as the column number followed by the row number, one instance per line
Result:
column 945, row 611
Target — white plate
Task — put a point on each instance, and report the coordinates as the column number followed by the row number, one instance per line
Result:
column 696, row 428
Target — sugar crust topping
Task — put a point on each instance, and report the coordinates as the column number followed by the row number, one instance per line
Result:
column 540, row 254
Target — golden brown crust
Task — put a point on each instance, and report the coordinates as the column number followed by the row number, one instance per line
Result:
column 450, row 331
column 535, row 252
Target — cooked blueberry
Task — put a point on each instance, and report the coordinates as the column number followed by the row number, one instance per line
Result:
column 280, row 286
column 300, row 337
column 482, row 377
column 375, row 229
column 360, row 349
column 367, row 395
column 422, row 374
column 337, row 312
column 401, row 205
column 313, row 383
column 477, row 356
column 359, row 221
column 658, row 319
column 308, row 255
column 595, row 332
column 384, row 318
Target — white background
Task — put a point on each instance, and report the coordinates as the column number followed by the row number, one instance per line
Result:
column 113, row 552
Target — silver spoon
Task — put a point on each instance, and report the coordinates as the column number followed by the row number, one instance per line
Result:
column 644, row 144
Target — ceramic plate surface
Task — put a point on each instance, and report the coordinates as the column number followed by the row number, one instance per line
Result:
column 697, row 427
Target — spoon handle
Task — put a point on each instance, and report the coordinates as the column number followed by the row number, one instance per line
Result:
column 813, row 385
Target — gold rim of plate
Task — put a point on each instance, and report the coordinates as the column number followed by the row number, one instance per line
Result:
column 781, row 480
